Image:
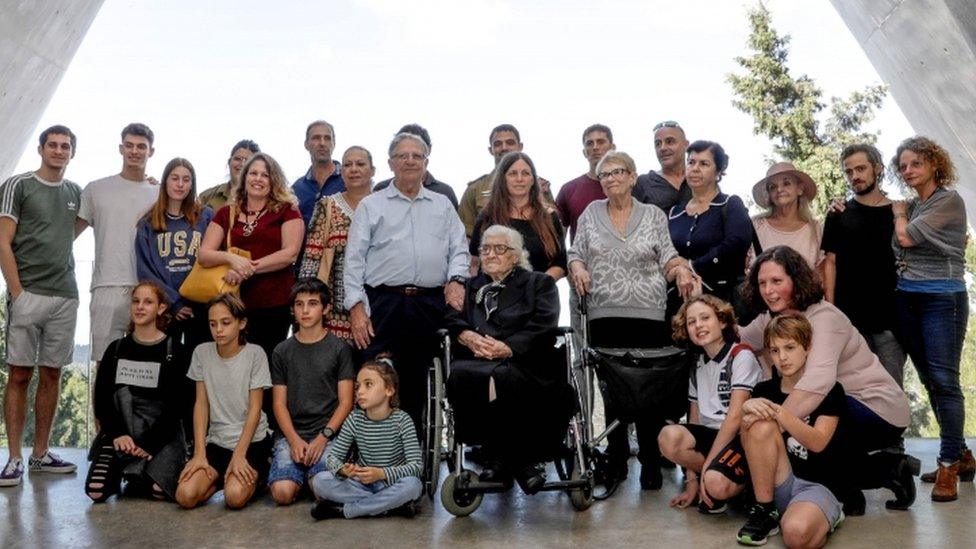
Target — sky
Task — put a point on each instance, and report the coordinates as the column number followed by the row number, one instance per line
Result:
column 204, row 75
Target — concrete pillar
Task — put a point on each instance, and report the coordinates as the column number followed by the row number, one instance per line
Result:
column 38, row 39
column 925, row 50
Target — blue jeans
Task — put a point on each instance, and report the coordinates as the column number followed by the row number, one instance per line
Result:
column 283, row 468
column 932, row 328
column 360, row 499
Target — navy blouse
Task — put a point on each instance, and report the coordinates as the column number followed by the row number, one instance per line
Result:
column 716, row 240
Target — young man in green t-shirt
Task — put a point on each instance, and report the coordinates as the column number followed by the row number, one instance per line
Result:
column 37, row 218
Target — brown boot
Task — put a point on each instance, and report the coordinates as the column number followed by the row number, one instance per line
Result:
column 967, row 469
column 946, row 482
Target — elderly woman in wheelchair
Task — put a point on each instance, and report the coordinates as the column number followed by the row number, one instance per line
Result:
column 507, row 385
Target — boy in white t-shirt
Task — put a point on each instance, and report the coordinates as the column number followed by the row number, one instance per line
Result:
column 708, row 444
column 112, row 206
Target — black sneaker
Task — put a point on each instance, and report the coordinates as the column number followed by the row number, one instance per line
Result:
column 761, row 524
column 407, row 510
column 718, row 507
column 325, row 509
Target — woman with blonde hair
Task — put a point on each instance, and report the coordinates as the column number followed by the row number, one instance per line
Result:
column 785, row 193
column 262, row 218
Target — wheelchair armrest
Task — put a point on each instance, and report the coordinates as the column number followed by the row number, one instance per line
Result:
column 443, row 332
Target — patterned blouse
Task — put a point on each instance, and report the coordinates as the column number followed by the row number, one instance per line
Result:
column 317, row 241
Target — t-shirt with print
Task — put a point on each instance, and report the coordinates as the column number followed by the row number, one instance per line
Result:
column 45, row 213
column 154, row 372
column 312, row 372
column 228, row 382
column 712, row 390
column 113, row 207
column 264, row 289
column 822, row 467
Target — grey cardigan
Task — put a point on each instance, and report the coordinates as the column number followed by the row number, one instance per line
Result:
column 627, row 269
column 938, row 228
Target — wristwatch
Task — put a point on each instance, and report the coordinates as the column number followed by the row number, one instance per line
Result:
column 459, row 279
column 328, row 433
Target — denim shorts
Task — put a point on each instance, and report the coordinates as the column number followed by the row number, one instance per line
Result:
column 283, row 468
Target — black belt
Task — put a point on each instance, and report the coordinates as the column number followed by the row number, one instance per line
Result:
column 406, row 290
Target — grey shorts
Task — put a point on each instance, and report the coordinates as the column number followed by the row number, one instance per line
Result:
column 794, row 490
column 109, row 316
column 41, row 330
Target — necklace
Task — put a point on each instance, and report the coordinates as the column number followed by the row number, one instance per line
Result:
column 251, row 224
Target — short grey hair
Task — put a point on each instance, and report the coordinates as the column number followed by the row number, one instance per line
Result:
column 514, row 241
column 617, row 157
column 403, row 136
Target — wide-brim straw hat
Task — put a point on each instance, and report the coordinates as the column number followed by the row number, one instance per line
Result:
column 760, row 191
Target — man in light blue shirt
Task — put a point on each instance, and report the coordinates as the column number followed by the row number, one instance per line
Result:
column 406, row 262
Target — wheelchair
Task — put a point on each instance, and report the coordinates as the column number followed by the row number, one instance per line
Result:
column 462, row 492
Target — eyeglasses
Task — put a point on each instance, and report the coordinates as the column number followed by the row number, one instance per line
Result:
column 241, row 159
column 403, row 157
column 612, row 173
column 667, row 124
column 497, row 249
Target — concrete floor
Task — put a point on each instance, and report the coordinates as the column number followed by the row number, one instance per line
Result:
column 52, row 510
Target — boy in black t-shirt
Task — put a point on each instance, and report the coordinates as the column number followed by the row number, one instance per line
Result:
column 809, row 459
column 312, row 375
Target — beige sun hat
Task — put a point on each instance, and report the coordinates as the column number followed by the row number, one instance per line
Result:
column 760, row 191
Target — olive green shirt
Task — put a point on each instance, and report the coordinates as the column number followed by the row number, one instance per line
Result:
column 216, row 197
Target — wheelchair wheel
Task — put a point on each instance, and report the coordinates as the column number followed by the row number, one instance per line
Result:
column 458, row 501
column 434, row 428
column 581, row 498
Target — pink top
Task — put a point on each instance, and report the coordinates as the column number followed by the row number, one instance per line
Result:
column 840, row 354
column 805, row 240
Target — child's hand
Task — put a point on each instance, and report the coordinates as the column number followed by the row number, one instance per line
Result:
column 347, row 470
column 126, row 445
column 298, row 450
column 761, row 408
column 240, row 468
column 368, row 475
column 688, row 496
column 314, row 450
column 197, row 463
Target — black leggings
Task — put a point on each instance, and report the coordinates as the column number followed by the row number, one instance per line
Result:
column 105, row 474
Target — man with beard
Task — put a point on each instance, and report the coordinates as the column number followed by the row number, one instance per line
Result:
column 859, row 268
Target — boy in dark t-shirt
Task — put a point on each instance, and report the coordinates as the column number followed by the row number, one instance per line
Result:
column 312, row 375
column 809, row 457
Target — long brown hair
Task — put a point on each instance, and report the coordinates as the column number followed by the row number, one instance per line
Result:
column 190, row 207
column 500, row 203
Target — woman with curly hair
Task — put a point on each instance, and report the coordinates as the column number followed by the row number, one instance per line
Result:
column 930, row 298
column 781, row 281
column 263, row 218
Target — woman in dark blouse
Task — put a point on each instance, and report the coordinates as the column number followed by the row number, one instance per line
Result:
column 516, row 202
column 712, row 230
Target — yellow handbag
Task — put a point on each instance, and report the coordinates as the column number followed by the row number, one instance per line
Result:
column 206, row 283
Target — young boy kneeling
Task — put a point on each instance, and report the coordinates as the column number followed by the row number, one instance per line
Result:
column 708, row 444
column 789, row 471
column 312, row 374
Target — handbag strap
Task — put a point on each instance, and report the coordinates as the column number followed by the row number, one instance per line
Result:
column 230, row 225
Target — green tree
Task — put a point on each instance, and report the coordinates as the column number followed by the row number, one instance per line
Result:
column 789, row 109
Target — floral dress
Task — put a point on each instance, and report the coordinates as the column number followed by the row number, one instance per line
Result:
column 329, row 230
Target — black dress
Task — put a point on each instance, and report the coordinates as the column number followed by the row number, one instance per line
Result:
column 534, row 402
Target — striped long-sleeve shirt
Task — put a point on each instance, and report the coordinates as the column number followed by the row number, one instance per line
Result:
column 390, row 444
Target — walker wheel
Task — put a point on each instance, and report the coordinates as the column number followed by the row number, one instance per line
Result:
column 458, row 501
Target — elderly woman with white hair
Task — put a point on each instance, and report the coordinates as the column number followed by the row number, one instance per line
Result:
column 507, row 384
column 622, row 260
